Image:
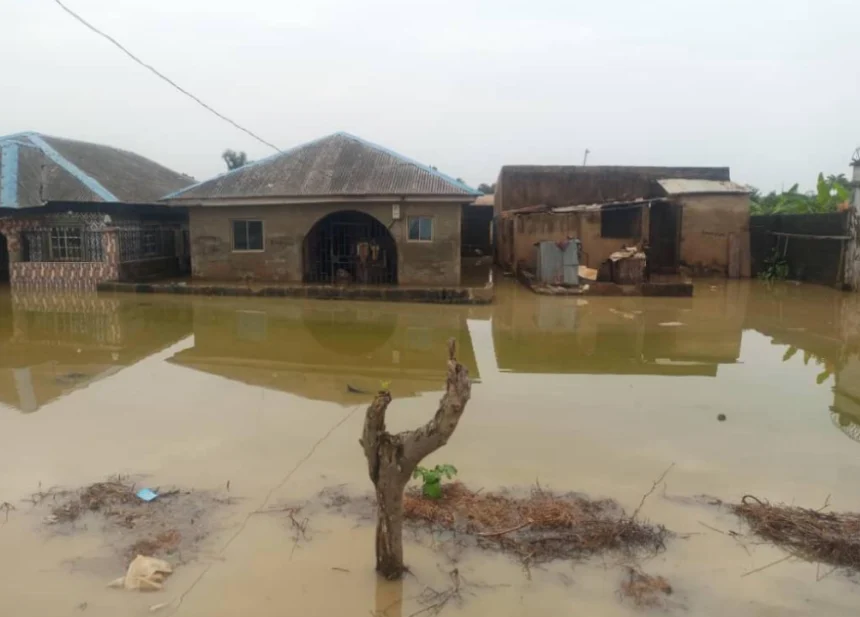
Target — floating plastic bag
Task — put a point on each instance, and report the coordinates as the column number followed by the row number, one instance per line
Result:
column 144, row 574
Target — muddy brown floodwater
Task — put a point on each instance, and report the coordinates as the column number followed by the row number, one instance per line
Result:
column 746, row 388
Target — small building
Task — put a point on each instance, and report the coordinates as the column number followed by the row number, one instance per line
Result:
column 334, row 211
column 73, row 214
column 693, row 218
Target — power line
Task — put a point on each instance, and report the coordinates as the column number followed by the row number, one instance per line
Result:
column 162, row 76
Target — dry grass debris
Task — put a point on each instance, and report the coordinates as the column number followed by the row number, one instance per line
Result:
column 173, row 524
column 813, row 535
column 644, row 590
column 539, row 527
column 110, row 498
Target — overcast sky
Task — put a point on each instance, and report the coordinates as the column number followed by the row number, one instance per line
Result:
column 770, row 88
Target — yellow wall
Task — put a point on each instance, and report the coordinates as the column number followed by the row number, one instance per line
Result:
column 706, row 222
column 531, row 228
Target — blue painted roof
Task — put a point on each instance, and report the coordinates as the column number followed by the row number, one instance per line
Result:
column 340, row 164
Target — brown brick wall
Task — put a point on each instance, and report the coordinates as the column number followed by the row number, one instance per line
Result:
column 284, row 230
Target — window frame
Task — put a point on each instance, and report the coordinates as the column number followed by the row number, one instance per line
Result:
column 247, row 236
column 149, row 239
column 634, row 222
column 60, row 252
column 419, row 217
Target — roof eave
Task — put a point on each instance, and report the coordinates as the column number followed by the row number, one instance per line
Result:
column 278, row 200
column 695, row 193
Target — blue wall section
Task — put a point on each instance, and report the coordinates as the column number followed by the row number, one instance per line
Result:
column 9, row 175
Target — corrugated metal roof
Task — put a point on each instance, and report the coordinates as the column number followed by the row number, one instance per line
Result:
column 680, row 186
column 336, row 165
column 36, row 168
column 610, row 205
column 635, row 203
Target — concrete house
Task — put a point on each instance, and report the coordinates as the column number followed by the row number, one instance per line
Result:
column 73, row 214
column 338, row 210
column 692, row 218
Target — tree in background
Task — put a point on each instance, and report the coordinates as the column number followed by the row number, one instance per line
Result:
column 234, row 159
column 830, row 195
column 487, row 189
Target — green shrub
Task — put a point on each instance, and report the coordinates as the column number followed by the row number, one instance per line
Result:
column 432, row 479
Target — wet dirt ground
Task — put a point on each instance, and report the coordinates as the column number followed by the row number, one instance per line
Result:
column 595, row 395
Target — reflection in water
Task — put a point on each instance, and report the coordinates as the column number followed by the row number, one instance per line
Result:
column 389, row 598
column 335, row 352
column 821, row 328
column 51, row 344
column 597, row 395
column 632, row 336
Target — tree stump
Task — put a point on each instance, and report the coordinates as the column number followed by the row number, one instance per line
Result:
column 391, row 459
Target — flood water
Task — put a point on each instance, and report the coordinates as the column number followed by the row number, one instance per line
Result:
column 595, row 395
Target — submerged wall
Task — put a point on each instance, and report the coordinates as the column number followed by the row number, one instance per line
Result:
column 285, row 226
column 715, row 234
column 815, row 261
column 518, row 235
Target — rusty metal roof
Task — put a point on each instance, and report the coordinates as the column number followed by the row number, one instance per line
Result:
column 35, row 169
column 337, row 165
column 680, row 186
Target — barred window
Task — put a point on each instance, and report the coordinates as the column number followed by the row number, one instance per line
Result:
column 149, row 243
column 66, row 243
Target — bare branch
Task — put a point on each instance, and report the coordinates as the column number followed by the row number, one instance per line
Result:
column 650, row 491
column 419, row 443
column 374, row 431
column 765, row 567
column 492, row 534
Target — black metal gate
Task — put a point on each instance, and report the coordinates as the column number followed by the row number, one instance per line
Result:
column 350, row 247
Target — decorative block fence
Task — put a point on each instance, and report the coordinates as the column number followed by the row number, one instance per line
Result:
column 78, row 253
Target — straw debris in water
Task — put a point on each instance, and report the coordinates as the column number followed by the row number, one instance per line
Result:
column 814, row 535
column 540, row 527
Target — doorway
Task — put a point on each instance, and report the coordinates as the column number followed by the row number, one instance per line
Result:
column 4, row 259
column 664, row 238
column 350, row 247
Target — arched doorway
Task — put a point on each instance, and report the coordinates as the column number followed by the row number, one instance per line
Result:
column 4, row 259
column 350, row 247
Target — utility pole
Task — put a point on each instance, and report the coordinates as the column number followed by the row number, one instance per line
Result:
column 585, row 158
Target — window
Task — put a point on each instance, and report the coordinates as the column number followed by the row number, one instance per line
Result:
column 247, row 235
column 620, row 222
column 421, row 228
column 66, row 244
